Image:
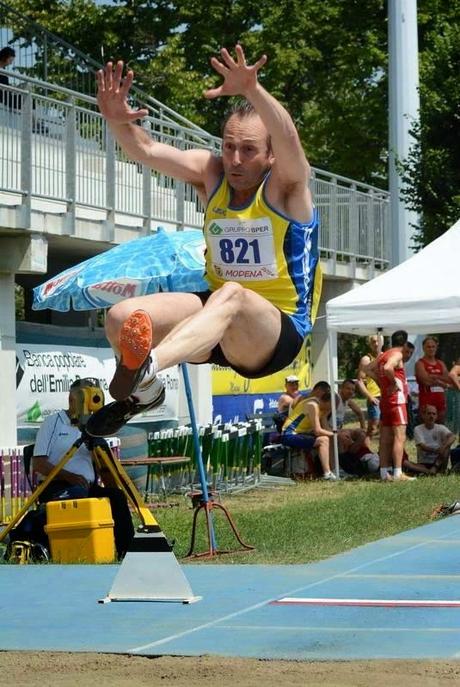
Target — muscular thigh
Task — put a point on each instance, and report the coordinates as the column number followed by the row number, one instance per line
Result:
column 251, row 339
column 166, row 310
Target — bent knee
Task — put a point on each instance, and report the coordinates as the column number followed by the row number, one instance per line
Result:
column 232, row 289
column 322, row 441
column 117, row 314
column 231, row 294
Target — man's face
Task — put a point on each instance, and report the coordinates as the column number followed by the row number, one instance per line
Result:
column 430, row 415
column 345, row 439
column 245, row 154
column 292, row 388
column 374, row 344
column 347, row 391
column 407, row 353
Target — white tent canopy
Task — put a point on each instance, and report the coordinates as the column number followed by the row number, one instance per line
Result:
column 421, row 295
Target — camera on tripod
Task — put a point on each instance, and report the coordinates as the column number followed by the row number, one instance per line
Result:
column 87, row 397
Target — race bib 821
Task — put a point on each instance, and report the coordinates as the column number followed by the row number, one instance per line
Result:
column 242, row 249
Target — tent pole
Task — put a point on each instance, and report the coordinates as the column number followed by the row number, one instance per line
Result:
column 333, row 374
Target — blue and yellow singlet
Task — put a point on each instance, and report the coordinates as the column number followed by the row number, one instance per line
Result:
column 264, row 251
column 298, row 420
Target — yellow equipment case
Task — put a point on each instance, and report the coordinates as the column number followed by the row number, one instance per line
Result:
column 80, row 531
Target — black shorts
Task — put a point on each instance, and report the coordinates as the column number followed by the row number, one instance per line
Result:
column 289, row 344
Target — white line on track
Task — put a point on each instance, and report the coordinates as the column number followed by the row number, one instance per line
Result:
column 401, row 576
column 388, row 603
column 211, row 623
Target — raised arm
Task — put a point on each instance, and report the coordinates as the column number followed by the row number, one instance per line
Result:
column 198, row 167
column 288, row 185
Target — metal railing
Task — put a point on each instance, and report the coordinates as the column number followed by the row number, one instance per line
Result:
column 47, row 57
column 55, row 145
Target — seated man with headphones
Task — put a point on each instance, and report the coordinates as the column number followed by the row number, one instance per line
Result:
column 78, row 478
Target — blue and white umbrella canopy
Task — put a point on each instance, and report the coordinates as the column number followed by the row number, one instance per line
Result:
column 164, row 261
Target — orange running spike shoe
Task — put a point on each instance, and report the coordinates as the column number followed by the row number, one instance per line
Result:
column 135, row 344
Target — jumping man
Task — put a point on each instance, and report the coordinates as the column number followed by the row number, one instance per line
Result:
column 260, row 230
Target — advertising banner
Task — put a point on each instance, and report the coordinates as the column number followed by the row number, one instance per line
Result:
column 44, row 374
column 235, row 397
column 239, row 407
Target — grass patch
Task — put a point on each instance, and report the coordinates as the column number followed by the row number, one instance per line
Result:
column 309, row 521
column 313, row 520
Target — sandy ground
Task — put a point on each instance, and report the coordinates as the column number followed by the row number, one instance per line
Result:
column 45, row 669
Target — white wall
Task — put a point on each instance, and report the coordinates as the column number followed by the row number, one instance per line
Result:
column 201, row 386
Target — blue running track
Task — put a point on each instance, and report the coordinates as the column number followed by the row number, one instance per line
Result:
column 54, row 607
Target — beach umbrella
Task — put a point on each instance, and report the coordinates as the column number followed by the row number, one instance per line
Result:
column 163, row 261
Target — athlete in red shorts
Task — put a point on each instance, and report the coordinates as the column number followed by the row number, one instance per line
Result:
column 392, row 416
column 388, row 372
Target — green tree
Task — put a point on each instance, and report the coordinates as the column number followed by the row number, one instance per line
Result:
column 432, row 171
column 350, row 350
column 328, row 67
column 132, row 30
column 327, row 62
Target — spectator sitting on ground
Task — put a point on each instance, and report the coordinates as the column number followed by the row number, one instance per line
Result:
column 433, row 442
column 344, row 399
column 356, row 457
column 303, row 429
column 352, row 442
column 77, row 479
column 291, row 384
